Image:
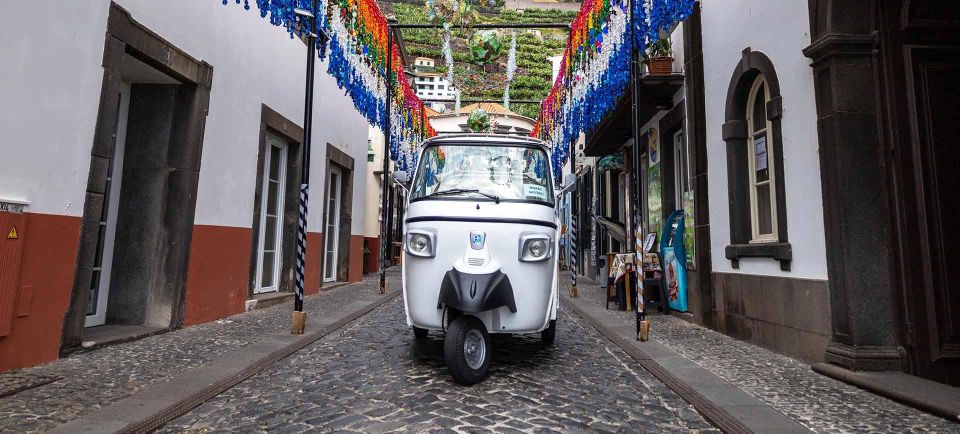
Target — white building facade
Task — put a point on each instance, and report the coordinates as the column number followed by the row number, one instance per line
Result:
column 169, row 134
column 430, row 85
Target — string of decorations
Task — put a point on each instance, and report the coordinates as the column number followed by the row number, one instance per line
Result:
column 511, row 69
column 356, row 52
column 595, row 69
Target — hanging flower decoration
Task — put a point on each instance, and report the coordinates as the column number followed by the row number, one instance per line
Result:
column 485, row 47
column 358, row 60
column 478, row 121
column 511, row 68
column 458, row 13
column 283, row 13
column 448, row 52
column 595, row 69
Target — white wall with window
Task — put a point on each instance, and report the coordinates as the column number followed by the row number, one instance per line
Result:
column 780, row 30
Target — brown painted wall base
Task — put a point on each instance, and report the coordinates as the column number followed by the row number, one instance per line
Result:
column 372, row 264
column 789, row 316
column 43, row 290
column 217, row 275
column 217, row 285
column 355, row 270
column 314, row 264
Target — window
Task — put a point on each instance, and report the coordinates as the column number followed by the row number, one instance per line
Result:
column 270, row 230
column 518, row 173
column 763, row 197
column 753, row 134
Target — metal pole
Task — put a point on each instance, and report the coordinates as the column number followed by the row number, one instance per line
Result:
column 574, row 210
column 299, row 318
column 475, row 100
column 385, row 242
column 635, row 104
column 490, row 26
column 636, row 172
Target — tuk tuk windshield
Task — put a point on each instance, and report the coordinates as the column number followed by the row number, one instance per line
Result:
column 484, row 171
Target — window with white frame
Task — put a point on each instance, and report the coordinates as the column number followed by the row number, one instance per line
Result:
column 763, row 197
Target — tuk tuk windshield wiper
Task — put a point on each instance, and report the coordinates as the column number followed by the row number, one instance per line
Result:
column 452, row 191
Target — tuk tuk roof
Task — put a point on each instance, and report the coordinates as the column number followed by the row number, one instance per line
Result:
column 486, row 139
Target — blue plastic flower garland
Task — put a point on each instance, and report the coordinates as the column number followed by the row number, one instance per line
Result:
column 572, row 116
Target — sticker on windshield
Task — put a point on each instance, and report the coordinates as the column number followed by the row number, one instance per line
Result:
column 532, row 191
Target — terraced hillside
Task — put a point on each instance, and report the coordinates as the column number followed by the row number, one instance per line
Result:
column 532, row 78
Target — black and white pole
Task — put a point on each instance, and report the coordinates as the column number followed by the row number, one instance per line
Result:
column 642, row 325
column 299, row 318
column 573, row 245
column 384, row 241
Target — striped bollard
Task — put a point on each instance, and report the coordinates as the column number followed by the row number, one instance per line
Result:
column 299, row 316
column 573, row 252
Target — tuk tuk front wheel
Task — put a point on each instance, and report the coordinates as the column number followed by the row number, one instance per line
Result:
column 549, row 334
column 467, row 350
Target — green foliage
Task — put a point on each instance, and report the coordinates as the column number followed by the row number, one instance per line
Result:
column 532, row 80
column 661, row 48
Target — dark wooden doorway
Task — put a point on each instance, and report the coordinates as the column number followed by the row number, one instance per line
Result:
column 920, row 68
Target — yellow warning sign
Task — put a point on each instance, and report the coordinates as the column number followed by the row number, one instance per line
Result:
column 13, row 235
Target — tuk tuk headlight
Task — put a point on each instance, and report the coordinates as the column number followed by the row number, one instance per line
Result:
column 535, row 248
column 421, row 243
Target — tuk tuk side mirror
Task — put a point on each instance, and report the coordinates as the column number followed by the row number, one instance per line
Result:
column 401, row 178
column 568, row 181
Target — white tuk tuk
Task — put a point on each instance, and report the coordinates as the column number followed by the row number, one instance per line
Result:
column 480, row 243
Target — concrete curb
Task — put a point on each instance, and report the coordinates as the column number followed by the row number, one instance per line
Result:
column 161, row 403
column 932, row 397
column 727, row 407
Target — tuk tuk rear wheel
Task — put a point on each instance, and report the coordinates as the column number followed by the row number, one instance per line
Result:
column 467, row 350
column 549, row 334
column 419, row 333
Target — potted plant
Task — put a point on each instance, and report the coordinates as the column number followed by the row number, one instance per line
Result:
column 659, row 58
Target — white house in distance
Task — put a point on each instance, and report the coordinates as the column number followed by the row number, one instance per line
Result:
column 142, row 129
column 431, row 85
column 502, row 120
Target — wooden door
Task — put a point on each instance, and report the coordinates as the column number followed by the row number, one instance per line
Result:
column 920, row 54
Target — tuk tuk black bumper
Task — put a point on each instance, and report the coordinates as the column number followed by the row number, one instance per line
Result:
column 476, row 293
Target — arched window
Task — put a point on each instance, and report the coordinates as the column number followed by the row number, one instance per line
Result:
column 763, row 197
column 754, row 137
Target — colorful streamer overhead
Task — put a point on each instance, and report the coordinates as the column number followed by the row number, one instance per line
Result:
column 356, row 53
column 595, row 69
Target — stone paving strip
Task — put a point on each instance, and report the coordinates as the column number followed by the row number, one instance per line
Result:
column 12, row 384
column 94, row 380
column 375, row 376
column 817, row 402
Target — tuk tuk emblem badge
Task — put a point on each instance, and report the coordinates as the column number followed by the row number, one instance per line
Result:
column 477, row 239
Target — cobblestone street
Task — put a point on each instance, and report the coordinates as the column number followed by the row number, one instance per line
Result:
column 96, row 379
column 376, row 377
column 373, row 376
column 790, row 386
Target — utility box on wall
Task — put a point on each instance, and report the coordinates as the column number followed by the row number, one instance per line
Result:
column 12, row 232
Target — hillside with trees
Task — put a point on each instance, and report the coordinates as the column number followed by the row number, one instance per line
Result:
column 532, row 78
